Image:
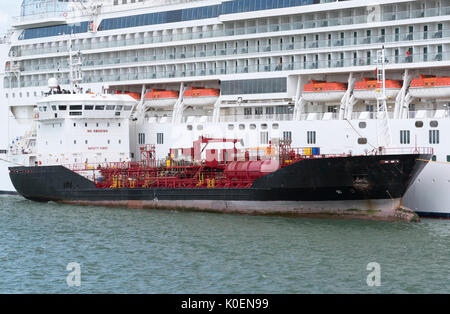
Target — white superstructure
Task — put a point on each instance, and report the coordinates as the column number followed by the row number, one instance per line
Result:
column 261, row 55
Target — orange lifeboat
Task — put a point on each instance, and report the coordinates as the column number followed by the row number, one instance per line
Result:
column 135, row 96
column 161, row 98
column 367, row 89
column 319, row 91
column 429, row 87
column 201, row 96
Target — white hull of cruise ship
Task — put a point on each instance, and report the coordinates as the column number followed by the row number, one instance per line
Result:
column 259, row 57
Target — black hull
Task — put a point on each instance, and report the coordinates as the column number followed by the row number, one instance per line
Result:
column 311, row 180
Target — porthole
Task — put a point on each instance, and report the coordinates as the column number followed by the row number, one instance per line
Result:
column 241, row 126
column 252, row 126
column 275, row 126
column 434, row 124
column 419, row 124
column 362, row 125
column 362, row 141
column 199, row 127
column 264, row 126
column 189, row 128
column 230, row 126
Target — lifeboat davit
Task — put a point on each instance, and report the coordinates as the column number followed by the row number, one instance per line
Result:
column 430, row 87
column 200, row 96
column 367, row 89
column 318, row 91
column 160, row 98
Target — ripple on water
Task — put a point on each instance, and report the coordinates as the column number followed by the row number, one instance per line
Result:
column 134, row 251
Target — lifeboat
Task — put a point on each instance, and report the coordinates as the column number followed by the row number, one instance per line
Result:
column 136, row 96
column 200, row 96
column 319, row 91
column 161, row 98
column 428, row 87
column 367, row 89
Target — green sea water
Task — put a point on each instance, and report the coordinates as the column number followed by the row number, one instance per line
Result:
column 146, row 251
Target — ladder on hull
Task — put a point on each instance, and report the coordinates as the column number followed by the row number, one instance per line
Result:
column 384, row 128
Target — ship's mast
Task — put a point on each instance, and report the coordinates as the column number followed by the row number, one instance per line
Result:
column 384, row 128
column 75, row 63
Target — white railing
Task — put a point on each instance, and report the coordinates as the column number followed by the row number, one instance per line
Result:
column 313, row 116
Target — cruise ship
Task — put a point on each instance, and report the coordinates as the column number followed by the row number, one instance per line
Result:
column 345, row 76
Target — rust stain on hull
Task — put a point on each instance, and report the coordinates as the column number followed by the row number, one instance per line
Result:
column 372, row 210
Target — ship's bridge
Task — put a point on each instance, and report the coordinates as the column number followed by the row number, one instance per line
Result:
column 36, row 13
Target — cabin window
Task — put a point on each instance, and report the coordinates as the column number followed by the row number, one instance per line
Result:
column 128, row 108
column 88, row 107
column 99, row 107
column 275, row 126
column 230, row 126
column 419, row 124
column 362, row 125
column 74, row 125
column 110, row 107
column 199, row 127
column 434, row 137
column 119, row 108
column 311, row 137
column 160, row 138
column 252, row 126
column 76, row 107
column 62, row 108
column 54, row 108
column 264, row 126
column 241, row 126
column 86, row 125
column 362, row 141
column 189, row 127
column 405, row 137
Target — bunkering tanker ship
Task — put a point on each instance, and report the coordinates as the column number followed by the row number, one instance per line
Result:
column 212, row 175
column 292, row 184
